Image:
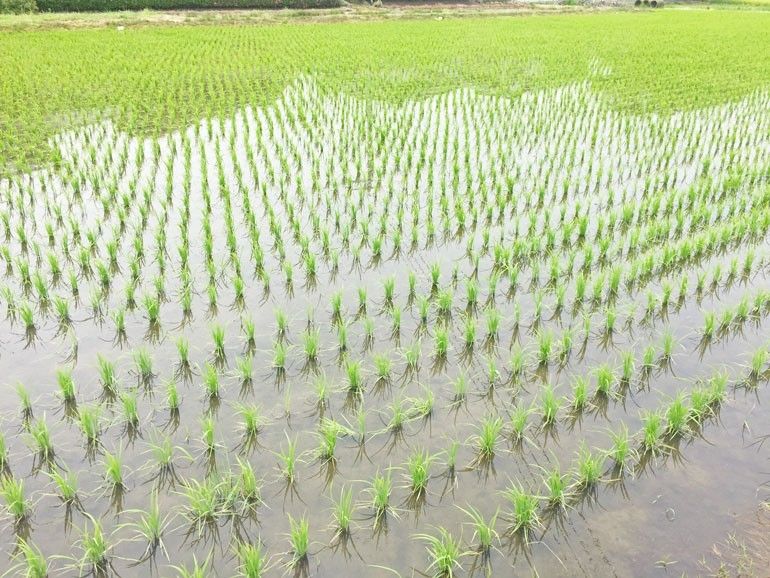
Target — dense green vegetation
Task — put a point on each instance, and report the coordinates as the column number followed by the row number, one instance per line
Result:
column 108, row 5
column 157, row 78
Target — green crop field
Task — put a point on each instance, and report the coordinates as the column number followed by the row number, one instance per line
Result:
column 411, row 293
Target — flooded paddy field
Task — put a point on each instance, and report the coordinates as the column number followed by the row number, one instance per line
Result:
column 331, row 335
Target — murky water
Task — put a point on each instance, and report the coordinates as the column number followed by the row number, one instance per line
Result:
column 520, row 200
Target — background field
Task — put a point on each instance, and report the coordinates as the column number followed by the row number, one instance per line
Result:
column 159, row 77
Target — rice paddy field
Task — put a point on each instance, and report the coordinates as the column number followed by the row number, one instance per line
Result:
column 461, row 297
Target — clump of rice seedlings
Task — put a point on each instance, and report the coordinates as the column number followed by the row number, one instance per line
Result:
column 493, row 324
column 621, row 450
column 652, row 432
column 198, row 570
column 412, row 357
column 518, row 423
column 248, row 486
column 251, row 423
column 605, row 378
column 579, row 394
column 211, row 385
column 355, row 378
column 388, row 289
column 208, row 436
column 709, row 326
column 95, row 549
column 67, row 487
column 524, row 510
column 311, row 345
column 398, row 416
column 252, row 560
column 379, row 491
column 444, row 304
column 418, row 472
column 459, row 390
column 90, row 424
column 113, row 472
column 184, row 368
column 3, row 454
column 484, row 533
column 43, row 443
column 17, row 504
column 676, row 417
column 648, row 359
column 487, row 438
column 29, row 561
column 280, row 350
column 667, row 349
column 627, row 367
column 329, row 432
column 299, row 540
column 544, row 348
column 557, row 490
column 441, row 343
column 218, row 337
column 249, row 333
column 244, row 369
column 444, row 552
column 342, row 513
column 25, row 401
column 205, row 501
column 62, row 309
column 758, row 364
column 589, row 468
column 342, row 337
column 382, row 369
column 336, row 302
column 550, row 405
column 130, row 405
column 281, row 324
column 422, row 407
column 518, row 363
column 150, row 527
column 289, row 459
column 144, row 369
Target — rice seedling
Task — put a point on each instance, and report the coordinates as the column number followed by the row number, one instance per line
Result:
column 758, row 364
column 418, row 472
column 90, row 424
column 444, row 552
column 557, row 488
column 29, row 561
column 652, row 431
column 605, row 379
column 211, row 384
column 289, row 459
column 487, row 437
column 43, row 443
column 150, row 529
column 589, row 468
column 676, row 417
column 218, row 337
column 66, row 486
column 253, row 563
column 519, row 422
column 550, row 405
column 484, row 534
column 579, row 394
column 17, row 505
column 524, row 510
column 299, row 540
column 113, row 471
column 329, row 432
column 621, row 451
column 343, row 510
